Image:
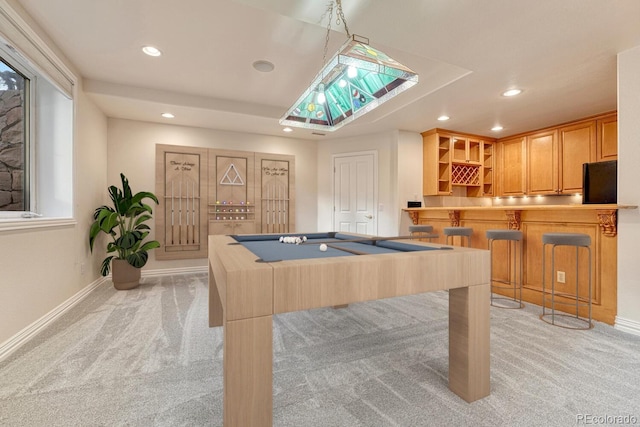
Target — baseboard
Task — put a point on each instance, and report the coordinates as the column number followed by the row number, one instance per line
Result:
column 13, row 343
column 626, row 325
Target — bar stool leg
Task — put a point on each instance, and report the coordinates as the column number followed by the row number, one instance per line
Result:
column 577, row 282
column 521, row 283
column 577, row 303
column 490, row 244
column 590, row 295
column 544, row 279
column 553, row 285
column 514, row 274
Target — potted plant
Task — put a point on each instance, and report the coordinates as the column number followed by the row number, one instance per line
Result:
column 125, row 223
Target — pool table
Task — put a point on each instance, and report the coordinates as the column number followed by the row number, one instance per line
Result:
column 253, row 277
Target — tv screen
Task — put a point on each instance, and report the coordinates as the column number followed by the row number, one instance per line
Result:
column 600, row 182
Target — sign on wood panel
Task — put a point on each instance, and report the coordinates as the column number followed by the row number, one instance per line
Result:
column 182, row 201
column 274, row 183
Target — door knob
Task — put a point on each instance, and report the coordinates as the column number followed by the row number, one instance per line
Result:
column 368, row 216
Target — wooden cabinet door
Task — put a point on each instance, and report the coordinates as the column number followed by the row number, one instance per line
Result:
column 512, row 165
column 465, row 150
column 542, row 163
column 607, row 139
column 577, row 146
column 220, row 227
column 232, row 227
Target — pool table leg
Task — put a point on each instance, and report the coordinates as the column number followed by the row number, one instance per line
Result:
column 248, row 372
column 469, row 342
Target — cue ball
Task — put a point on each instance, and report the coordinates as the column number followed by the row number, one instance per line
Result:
column 323, row 247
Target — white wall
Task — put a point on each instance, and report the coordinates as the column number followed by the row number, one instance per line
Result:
column 409, row 176
column 399, row 176
column 132, row 151
column 628, row 177
column 386, row 146
column 42, row 268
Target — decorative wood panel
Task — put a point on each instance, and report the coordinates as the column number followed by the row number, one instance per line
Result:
column 181, row 182
column 276, row 189
column 232, row 206
column 210, row 191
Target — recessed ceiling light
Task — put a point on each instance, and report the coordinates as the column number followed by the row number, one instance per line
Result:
column 287, row 130
column 497, row 128
column 168, row 115
column 151, row 51
column 512, row 92
column 263, row 66
column 443, row 118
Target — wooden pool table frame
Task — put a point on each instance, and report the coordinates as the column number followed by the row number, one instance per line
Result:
column 244, row 295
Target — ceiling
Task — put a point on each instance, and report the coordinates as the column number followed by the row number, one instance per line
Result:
column 562, row 54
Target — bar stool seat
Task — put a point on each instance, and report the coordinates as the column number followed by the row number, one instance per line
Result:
column 422, row 231
column 450, row 232
column 513, row 239
column 577, row 240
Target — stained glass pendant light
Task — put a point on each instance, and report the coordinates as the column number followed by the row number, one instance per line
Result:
column 353, row 82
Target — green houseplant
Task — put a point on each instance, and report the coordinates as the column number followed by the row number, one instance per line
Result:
column 124, row 222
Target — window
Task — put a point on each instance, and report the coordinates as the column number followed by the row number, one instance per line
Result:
column 36, row 144
column 14, row 149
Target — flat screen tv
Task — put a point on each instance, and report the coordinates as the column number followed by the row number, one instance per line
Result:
column 600, row 182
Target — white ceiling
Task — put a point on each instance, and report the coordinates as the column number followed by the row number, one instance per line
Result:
column 562, row 53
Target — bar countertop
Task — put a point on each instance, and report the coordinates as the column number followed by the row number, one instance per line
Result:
column 524, row 207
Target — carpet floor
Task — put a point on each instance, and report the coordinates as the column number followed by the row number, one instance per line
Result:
column 146, row 357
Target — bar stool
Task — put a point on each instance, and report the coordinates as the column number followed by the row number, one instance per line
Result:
column 577, row 240
column 458, row 231
column 514, row 246
column 422, row 232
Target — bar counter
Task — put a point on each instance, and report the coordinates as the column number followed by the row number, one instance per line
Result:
column 599, row 221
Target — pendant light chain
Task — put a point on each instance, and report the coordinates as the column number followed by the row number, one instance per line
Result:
column 340, row 19
column 340, row 16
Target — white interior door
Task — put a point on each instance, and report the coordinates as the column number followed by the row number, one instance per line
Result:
column 354, row 195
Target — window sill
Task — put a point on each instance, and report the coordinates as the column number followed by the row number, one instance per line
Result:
column 11, row 224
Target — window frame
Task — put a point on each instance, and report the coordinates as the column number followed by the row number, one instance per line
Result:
column 25, row 50
column 30, row 76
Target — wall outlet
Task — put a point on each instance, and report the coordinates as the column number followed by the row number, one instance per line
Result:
column 561, row 277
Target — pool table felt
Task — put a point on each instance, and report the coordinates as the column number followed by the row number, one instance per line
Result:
column 268, row 248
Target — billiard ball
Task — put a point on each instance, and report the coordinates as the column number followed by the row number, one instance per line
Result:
column 323, row 247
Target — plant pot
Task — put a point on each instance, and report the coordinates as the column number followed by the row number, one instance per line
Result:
column 123, row 275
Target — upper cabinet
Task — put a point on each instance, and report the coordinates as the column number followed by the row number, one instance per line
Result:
column 511, row 166
column 488, row 168
column 577, row 145
column 542, row 162
column 436, row 158
column 554, row 156
column 453, row 159
column 607, row 140
column 466, row 150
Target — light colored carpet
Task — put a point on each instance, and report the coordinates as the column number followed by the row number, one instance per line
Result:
column 147, row 358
